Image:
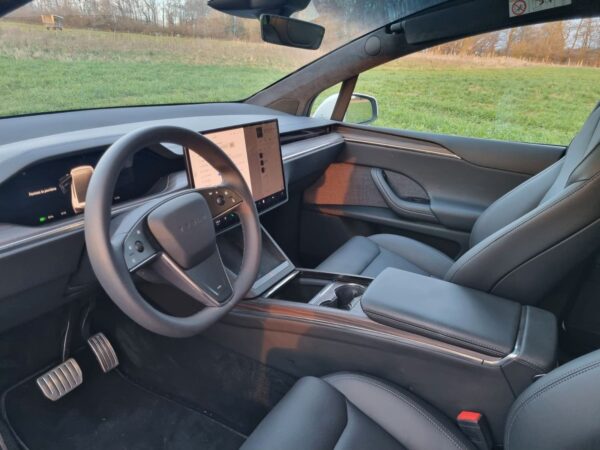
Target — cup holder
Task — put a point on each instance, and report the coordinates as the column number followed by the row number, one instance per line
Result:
column 345, row 296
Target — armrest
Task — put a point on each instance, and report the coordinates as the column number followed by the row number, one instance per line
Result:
column 443, row 311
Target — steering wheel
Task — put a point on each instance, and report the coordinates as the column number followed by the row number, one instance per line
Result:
column 173, row 237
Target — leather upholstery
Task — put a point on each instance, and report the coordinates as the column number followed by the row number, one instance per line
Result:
column 444, row 311
column 559, row 411
column 368, row 256
column 537, row 231
column 348, row 411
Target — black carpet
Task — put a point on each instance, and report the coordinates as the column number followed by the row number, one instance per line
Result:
column 110, row 412
column 234, row 389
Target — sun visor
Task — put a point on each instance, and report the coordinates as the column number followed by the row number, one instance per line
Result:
column 478, row 16
column 450, row 22
column 7, row 6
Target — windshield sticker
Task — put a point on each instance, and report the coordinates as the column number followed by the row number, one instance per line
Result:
column 518, row 8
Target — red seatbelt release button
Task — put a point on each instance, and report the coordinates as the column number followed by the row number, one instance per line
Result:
column 475, row 427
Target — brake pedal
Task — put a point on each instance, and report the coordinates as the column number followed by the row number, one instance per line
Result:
column 58, row 382
column 104, row 351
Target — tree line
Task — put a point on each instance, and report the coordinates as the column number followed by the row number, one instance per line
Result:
column 195, row 18
column 567, row 42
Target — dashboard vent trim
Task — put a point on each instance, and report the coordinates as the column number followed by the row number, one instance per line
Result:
column 302, row 135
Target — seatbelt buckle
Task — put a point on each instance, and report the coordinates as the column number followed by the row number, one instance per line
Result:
column 476, row 428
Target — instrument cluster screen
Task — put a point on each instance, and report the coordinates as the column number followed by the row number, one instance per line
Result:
column 45, row 192
column 256, row 151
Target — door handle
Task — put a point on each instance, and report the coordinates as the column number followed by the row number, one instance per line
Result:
column 404, row 208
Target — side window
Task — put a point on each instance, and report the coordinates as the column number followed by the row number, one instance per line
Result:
column 323, row 105
column 533, row 84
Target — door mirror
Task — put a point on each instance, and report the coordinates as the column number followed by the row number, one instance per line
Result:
column 363, row 109
column 282, row 30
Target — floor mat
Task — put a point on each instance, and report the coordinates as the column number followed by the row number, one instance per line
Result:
column 110, row 412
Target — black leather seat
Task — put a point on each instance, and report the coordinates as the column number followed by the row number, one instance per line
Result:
column 369, row 256
column 537, row 231
column 349, row 411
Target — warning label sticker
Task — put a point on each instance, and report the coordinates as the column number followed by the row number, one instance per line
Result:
column 520, row 7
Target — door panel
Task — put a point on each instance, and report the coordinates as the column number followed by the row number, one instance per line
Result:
column 430, row 189
column 520, row 157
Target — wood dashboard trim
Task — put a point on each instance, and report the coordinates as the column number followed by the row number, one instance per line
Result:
column 271, row 311
column 395, row 142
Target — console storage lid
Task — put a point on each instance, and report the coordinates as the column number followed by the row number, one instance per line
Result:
column 444, row 311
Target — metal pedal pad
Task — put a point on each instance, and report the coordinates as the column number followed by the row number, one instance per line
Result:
column 104, row 351
column 58, row 382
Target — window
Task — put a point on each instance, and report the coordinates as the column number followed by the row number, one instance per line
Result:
column 323, row 105
column 81, row 54
column 533, row 84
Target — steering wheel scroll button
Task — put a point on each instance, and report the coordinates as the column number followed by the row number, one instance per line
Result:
column 220, row 200
column 137, row 248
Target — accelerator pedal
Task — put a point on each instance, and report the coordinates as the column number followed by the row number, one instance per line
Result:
column 104, row 351
column 58, row 382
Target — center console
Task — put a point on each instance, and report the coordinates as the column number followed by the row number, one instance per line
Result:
column 523, row 337
column 458, row 348
column 342, row 292
column 520, row 339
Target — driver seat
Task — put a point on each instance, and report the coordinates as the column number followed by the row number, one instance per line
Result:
column 348, row 411
column 537, row 231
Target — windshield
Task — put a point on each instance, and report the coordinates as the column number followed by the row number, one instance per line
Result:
column 81, row 54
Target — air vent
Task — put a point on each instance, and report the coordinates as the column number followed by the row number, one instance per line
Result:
column 302, row 135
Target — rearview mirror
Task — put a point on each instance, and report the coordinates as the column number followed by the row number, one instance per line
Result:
column 282, row 30
column 362, row 109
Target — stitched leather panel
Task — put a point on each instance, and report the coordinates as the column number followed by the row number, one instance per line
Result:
column 410, row 420
column 370, row 256
column 353, row 412
column 559, row 411
column 311, row 416
column 443, row 311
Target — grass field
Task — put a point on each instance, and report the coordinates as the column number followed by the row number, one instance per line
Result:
column 532, row 103
column 490, row 98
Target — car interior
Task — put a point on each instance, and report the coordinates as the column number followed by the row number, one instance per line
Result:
column 256, row 275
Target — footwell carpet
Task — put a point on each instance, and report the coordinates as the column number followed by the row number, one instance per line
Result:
column 110, row 412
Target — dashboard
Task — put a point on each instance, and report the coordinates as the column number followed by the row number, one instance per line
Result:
column 53, row 190
column 42, row 248
column 39, row 156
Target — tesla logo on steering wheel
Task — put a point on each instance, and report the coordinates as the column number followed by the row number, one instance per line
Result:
column 190, row 225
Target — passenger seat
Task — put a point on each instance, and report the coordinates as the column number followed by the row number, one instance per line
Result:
column 523, row 242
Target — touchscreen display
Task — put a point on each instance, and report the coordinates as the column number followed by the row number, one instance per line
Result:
column 256, row 151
